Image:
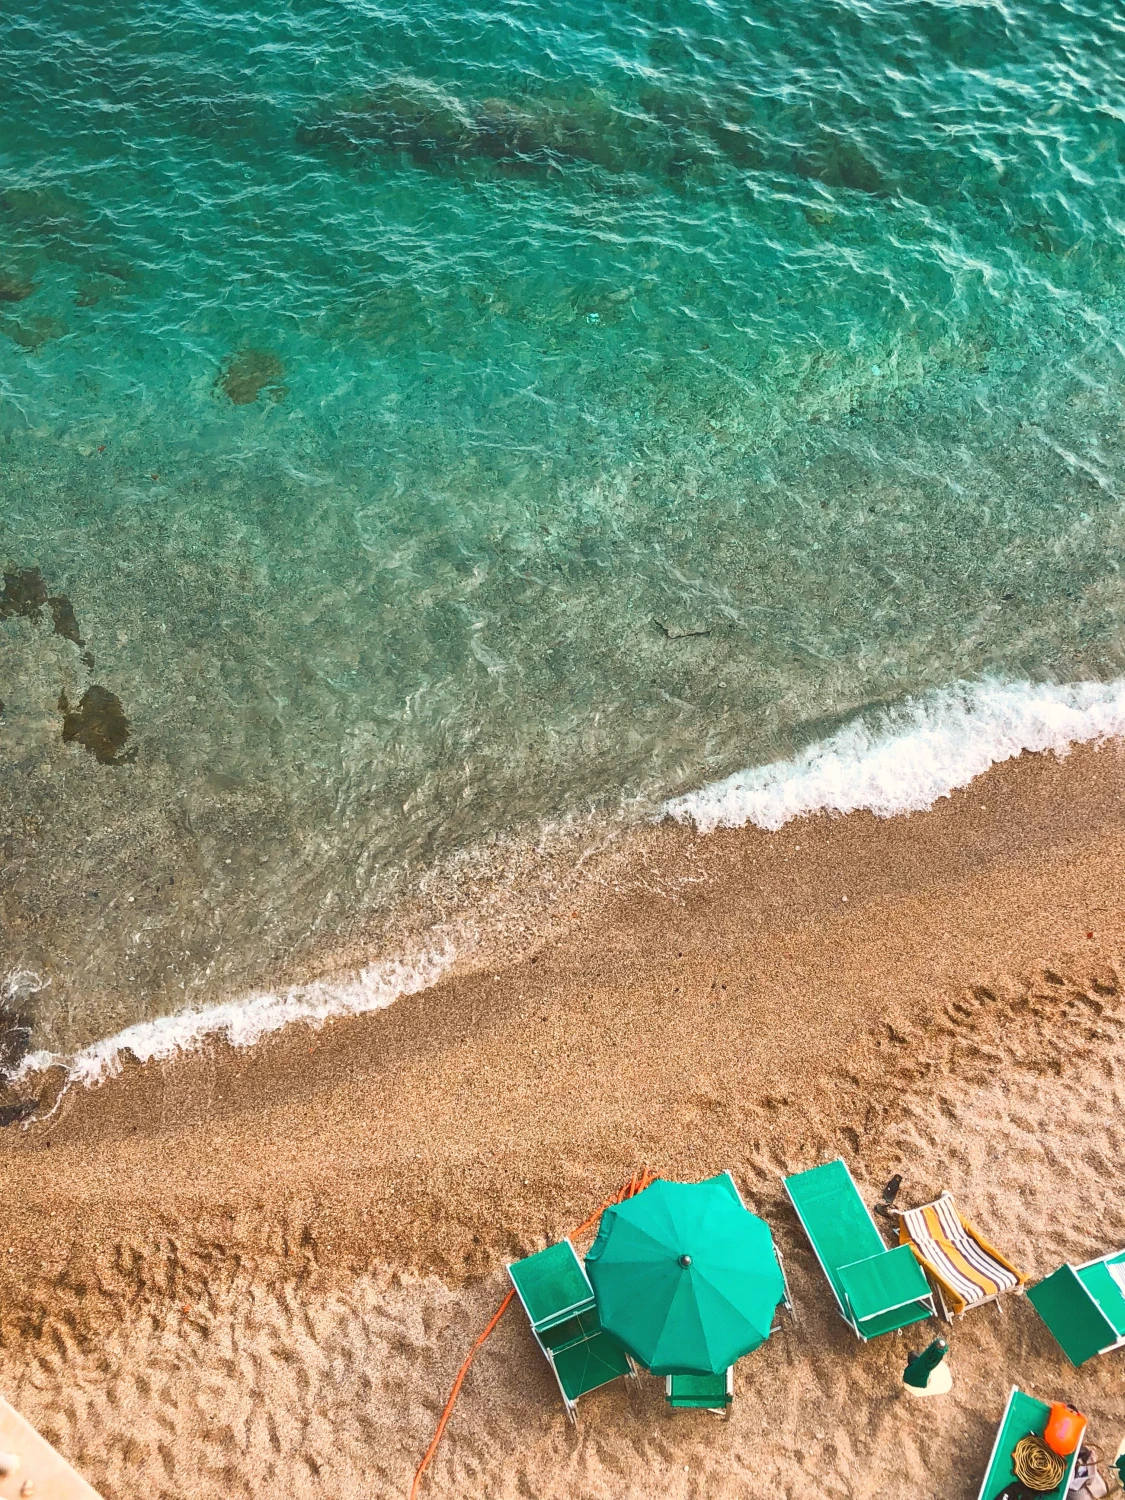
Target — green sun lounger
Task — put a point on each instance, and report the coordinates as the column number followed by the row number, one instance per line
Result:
column 1023, row 1416
column 559, row 1302
column 1084, row 1306
column 877, row 1289
column 700, row 1392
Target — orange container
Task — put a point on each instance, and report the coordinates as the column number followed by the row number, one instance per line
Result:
column 1064, row 1429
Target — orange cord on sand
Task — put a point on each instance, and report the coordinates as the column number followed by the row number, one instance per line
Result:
column 636, row 1184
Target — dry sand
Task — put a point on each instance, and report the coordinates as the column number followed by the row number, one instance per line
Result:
column 255, row 1274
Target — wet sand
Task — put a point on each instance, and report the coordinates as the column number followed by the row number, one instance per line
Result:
column 256, row 1273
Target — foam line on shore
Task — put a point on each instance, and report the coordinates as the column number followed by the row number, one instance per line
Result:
column 242, row 1022
column 909, row 757
column 900, row 761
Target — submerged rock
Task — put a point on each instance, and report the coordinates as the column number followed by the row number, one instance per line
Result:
column 437, row 129
column 66, row 622
column 33, row 334
column 12, row 1114
column 14, row 288
column 250, row 372
column 98, row 724
column 25, row 593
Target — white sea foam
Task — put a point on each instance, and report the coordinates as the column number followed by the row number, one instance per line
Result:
column 245, row 1021
column 900, row 762
column 909, row 757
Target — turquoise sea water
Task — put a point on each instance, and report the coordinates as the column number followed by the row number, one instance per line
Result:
column 442, row 420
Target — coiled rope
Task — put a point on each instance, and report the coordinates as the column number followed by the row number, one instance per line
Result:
column 1036, row 1466
column 636, row 1184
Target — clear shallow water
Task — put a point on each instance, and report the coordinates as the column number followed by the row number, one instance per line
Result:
column 442, row 421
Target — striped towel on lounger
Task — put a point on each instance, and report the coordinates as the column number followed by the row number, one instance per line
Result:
column 965, row 1265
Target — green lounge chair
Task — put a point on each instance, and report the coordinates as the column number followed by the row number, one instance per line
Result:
column 1084, row 1306
column 1023, row 1416
column 700, row 1392
column 559, row 1302
column 877, row 1289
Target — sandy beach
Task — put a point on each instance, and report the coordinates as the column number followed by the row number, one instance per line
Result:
column 255, row 1273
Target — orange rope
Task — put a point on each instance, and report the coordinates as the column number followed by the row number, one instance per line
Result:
column 461, row 1373
column 636, row 1184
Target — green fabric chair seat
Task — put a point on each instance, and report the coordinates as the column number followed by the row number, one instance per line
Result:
column 572, row 1330
column 877, row 1289
column 1023, row 1416
column 700, row 1392
column 552, row 1284
column 883, row 1284
column 1084, row 1307
column 559, row 1302
column 588, row 1363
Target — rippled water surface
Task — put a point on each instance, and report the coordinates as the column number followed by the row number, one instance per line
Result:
column 438, row 421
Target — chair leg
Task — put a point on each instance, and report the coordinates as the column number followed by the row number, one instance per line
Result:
column 945, row 1313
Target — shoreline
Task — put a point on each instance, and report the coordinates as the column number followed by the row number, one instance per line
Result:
column 497, row 903
column 847, row 985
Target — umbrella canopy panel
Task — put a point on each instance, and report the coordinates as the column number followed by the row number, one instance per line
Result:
column 685, row 1276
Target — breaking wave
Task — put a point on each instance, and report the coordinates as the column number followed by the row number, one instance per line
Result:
column 907, row 758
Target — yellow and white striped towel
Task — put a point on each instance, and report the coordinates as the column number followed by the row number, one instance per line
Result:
column 968, row 1269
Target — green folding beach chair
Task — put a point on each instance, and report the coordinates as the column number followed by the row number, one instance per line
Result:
column 1084, row 1306
column 700, row 1392
column 559, row 1302
column 1023, row 1417
column 877, row 1289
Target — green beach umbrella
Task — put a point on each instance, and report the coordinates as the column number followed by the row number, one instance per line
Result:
column 685, row 1277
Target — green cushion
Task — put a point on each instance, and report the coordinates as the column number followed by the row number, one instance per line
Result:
column 571, row 1330
column 706, row 1391
column 835, row 1218
column 883, row 1282
column 584, row 1366
column 552, row 1284
column 899, row 1317
column 1103, row 1287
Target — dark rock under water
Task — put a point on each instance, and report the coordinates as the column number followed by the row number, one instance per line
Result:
column 99, row 724
column 15, row 288
column 437, row 129
column 661, row 135
column 250, row 372
column 25, row 593
column 64, row 618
